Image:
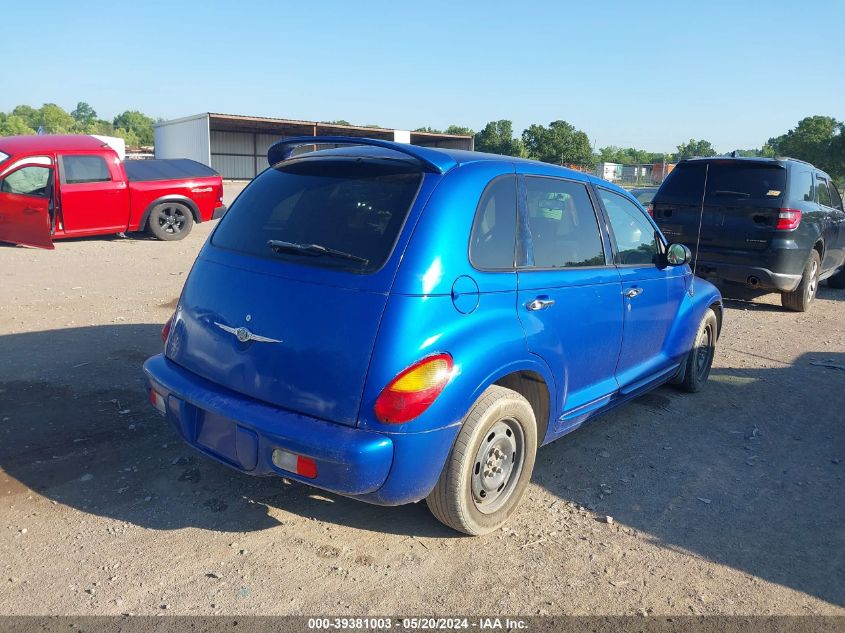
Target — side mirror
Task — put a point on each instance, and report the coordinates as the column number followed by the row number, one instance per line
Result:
column 678, row 255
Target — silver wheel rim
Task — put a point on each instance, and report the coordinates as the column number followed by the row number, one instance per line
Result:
column 497, row 465
column 813, row 284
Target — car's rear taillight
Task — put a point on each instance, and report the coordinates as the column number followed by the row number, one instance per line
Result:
column 650, row 208
column 165, row 330
column 293, row 463
column 220, row 195
column 788, row 219
column 414, row 389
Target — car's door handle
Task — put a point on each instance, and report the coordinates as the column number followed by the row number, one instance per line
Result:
column 633, row 292
column 540, row 303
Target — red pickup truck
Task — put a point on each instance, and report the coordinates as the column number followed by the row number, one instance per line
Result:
column 53, row 187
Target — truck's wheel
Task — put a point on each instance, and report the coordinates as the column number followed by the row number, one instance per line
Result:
column 700, row 358
column 490, row 464
column 837, row 280
column 802, row 297
column 170, row 221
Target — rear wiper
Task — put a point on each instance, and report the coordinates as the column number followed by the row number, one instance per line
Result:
column 317, row 250
column 720, row 192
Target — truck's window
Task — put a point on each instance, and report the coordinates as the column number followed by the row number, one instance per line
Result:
column 822, row 192
column 81, row 169
column 28, row 181
column 494, row 230
column 353, row 205
column 634, row 234
column 563, row 224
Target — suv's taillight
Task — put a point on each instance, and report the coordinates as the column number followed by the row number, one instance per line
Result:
column 414, row 389
column 788, row 219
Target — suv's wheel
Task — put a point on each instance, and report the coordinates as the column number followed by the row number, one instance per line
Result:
column 801, row 298
column 837, row 280
column 700, row 358
column 170, row 221
column 490, row 464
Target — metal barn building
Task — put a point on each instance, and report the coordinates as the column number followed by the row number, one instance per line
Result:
column 236, row 146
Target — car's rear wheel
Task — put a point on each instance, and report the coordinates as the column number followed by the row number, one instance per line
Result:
column 802, row 297
column 170, row 221
column 490, row 465
column 700, row 358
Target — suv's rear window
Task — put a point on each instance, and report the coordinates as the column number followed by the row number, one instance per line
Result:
column 727, row 182
column 353, row 205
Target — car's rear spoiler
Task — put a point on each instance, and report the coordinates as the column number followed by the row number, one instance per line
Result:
column 431, row 159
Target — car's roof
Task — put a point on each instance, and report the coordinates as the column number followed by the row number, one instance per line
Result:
column 14, row 145
column 780, row 160
column 455, row 157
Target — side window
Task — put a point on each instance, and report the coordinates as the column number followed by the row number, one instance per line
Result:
column 634, row 234
column 802, row 187
column 836, row 199
column 822, row 192
column 494, row 228
column 82, row 169
column 27, row 181
column 563, row 224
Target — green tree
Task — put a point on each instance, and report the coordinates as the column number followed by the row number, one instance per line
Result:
column 559, row 143
column 816, row 139
column 30, row 115
column 55, row 120
column 14, row 125
column 430, row 130
column 695, row 148
column 497, row 138
column 459, row 130
column 139, row 124
column 338, row 122
column 84, row 114
column 129, row 136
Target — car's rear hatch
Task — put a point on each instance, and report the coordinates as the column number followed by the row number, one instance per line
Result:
column 296, row 326
column 741, row 203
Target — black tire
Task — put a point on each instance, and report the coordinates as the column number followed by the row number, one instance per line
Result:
column 800, row 299
column 837, row 280
column 697, row 365
column 170, row 221
column 490, row 465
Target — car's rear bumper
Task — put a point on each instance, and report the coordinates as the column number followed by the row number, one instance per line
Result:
column 243, row 433
column 219, row 212
column 754, row 277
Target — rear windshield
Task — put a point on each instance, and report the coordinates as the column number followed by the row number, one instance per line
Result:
column 727, row 183
column 353, row 206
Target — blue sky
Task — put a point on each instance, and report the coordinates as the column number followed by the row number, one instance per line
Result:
column 647, row 73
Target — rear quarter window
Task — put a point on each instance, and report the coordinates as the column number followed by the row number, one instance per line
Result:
column 351, row 205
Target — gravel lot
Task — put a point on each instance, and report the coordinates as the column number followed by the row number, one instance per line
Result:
column 730, row 501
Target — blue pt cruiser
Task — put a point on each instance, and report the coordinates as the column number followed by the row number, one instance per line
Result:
column 393, row 322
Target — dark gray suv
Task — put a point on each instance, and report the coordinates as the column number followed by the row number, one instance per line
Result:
column 767, row 224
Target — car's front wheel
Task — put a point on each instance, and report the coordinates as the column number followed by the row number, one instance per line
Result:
column 490, row 465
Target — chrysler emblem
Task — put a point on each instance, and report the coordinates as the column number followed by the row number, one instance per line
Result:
column 244, row 335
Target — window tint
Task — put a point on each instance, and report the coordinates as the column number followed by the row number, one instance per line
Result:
column 836, row 199
column 79, row 169
column 31, row 181
column 822, row 192
column 494, row 229
column 351, row 205
column 727, row 182
column 564, row 229
column 802, row 187
column 634, row 234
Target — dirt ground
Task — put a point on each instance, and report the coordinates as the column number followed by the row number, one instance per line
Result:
column 730, row 501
